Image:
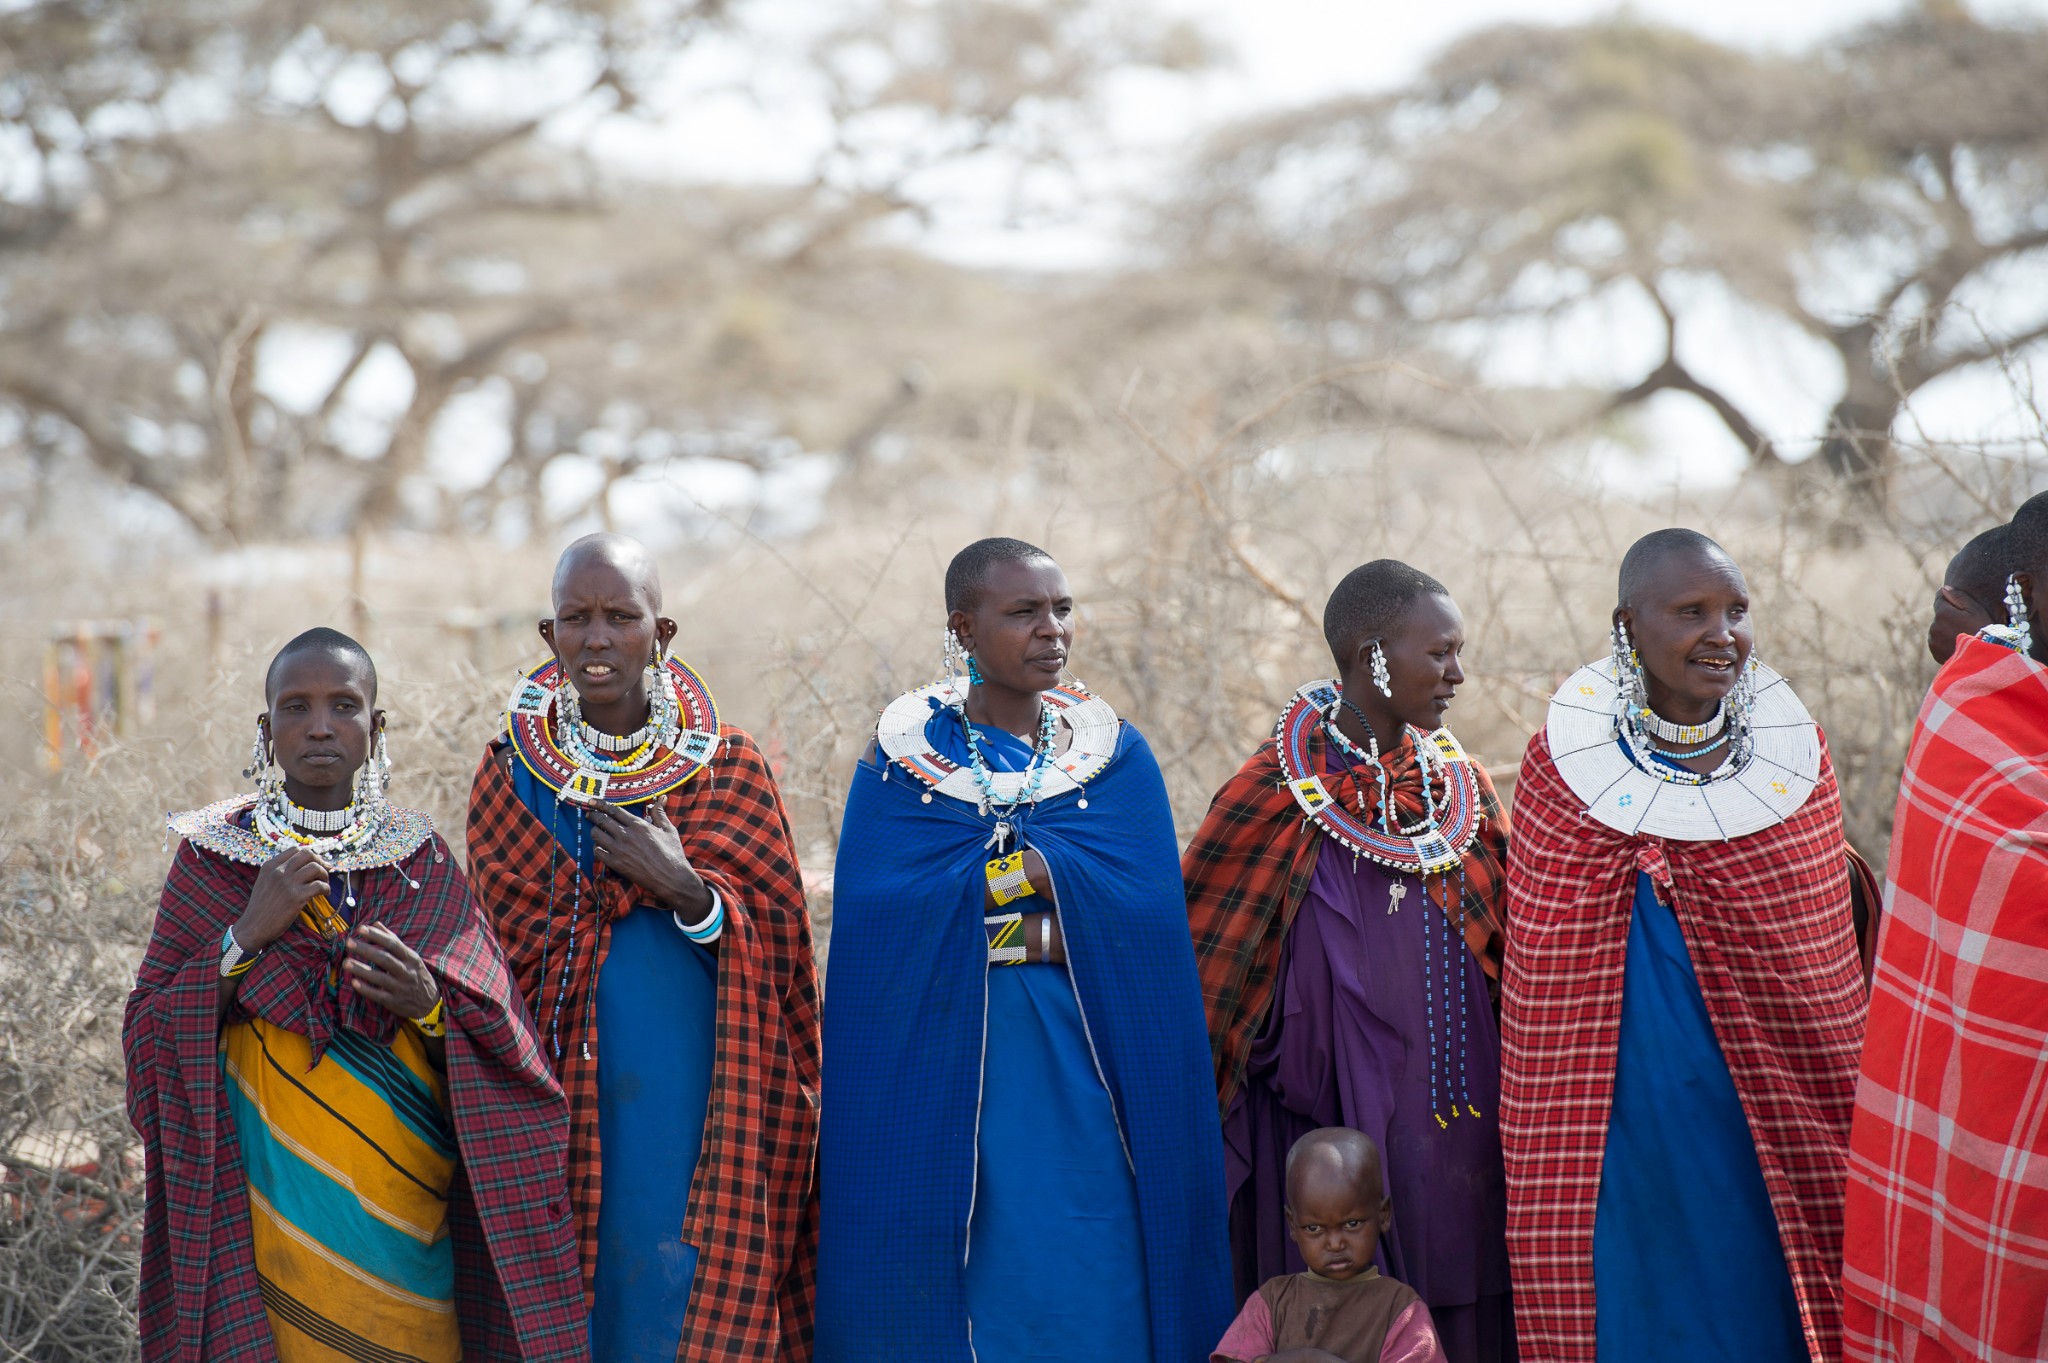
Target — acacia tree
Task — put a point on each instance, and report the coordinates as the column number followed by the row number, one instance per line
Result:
column 407, row 182
column 1883, row 195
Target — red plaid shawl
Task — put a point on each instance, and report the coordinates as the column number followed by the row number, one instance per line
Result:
column 1766, row 920
column 515, row 1261
column 1948, row 1174
column 753, row 1205
column 1250, row 863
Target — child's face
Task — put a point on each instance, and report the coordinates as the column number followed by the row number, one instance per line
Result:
column 1336, row 1225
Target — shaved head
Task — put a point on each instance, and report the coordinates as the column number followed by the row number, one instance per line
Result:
column 330, row 642
column 1370, row 601
column 623, row 554
column 1980, row 567
column 1334, row 1157
column 1648, row 556
column 2026, row 545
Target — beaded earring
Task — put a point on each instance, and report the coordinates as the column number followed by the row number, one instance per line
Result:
column 1380, row 676
column 269, row 777
column 949, row 657
column 1628, row 670
column 974, row 677
column 258, row 759
column 2016, row 615
column 373, row 778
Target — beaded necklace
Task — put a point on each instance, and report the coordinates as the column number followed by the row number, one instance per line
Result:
column 984, row 779
column 276, row 822
column 1444, row 966
column 587, row 746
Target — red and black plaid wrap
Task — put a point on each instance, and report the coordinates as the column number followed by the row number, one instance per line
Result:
column 516, row 1288
column 1250, row 862
column 1767, row 923
column 753, row 1202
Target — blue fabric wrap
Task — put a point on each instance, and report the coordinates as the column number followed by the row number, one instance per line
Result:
column 905, row 1013
column 1686, row 1253
column 657, row 1002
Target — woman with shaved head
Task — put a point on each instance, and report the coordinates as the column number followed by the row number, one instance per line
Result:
column 1345, row 895
column 634, row 853
column 354, row 1147
column 1682, row 1000
column 1020, row 1157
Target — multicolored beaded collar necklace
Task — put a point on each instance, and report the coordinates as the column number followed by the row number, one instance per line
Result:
column 545, row 726
column 1438, row 843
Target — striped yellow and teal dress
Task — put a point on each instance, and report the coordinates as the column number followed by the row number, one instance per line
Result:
column 349, row 1164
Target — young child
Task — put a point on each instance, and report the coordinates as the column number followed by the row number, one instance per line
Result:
column 1341, row 1310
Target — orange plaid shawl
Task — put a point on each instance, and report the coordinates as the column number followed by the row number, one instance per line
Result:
column 1766, row 920
column 1250, row 863
column 753, row 1206
column 1947, row 1219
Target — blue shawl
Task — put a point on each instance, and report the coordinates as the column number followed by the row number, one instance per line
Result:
column 904, row 1019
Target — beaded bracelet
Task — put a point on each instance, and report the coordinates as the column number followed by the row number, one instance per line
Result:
column 234, row 962
column 434, row 1022
column 1007, row 880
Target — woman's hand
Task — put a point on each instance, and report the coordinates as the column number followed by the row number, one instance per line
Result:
column 389, row 973
column 649, row 853
column 284, row 886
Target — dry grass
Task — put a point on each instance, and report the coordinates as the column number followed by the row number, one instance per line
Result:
column 1201, row 534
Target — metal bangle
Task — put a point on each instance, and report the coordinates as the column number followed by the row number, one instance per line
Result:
column 1045, row 937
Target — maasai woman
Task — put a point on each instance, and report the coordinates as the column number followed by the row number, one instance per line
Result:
column 1946, row 1234
column 1020, row 1155
column 1345, row 895
column 635, row 856
column 1682, row 1001
column 354, row 1148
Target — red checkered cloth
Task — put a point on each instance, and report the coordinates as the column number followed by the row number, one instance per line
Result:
column 1251, row 860
column 516, row 1287
column 1767, row 922
column 1947, row 1237
column 753, row 1204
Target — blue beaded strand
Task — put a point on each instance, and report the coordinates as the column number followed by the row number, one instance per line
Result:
column 984, row 779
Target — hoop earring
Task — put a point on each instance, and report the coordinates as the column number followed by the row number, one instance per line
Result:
column 1380, row 676
column 2016, row 615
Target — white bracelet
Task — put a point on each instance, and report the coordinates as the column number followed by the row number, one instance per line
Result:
column 708, row 931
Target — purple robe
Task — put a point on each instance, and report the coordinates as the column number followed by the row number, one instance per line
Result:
column 1348, row 1043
